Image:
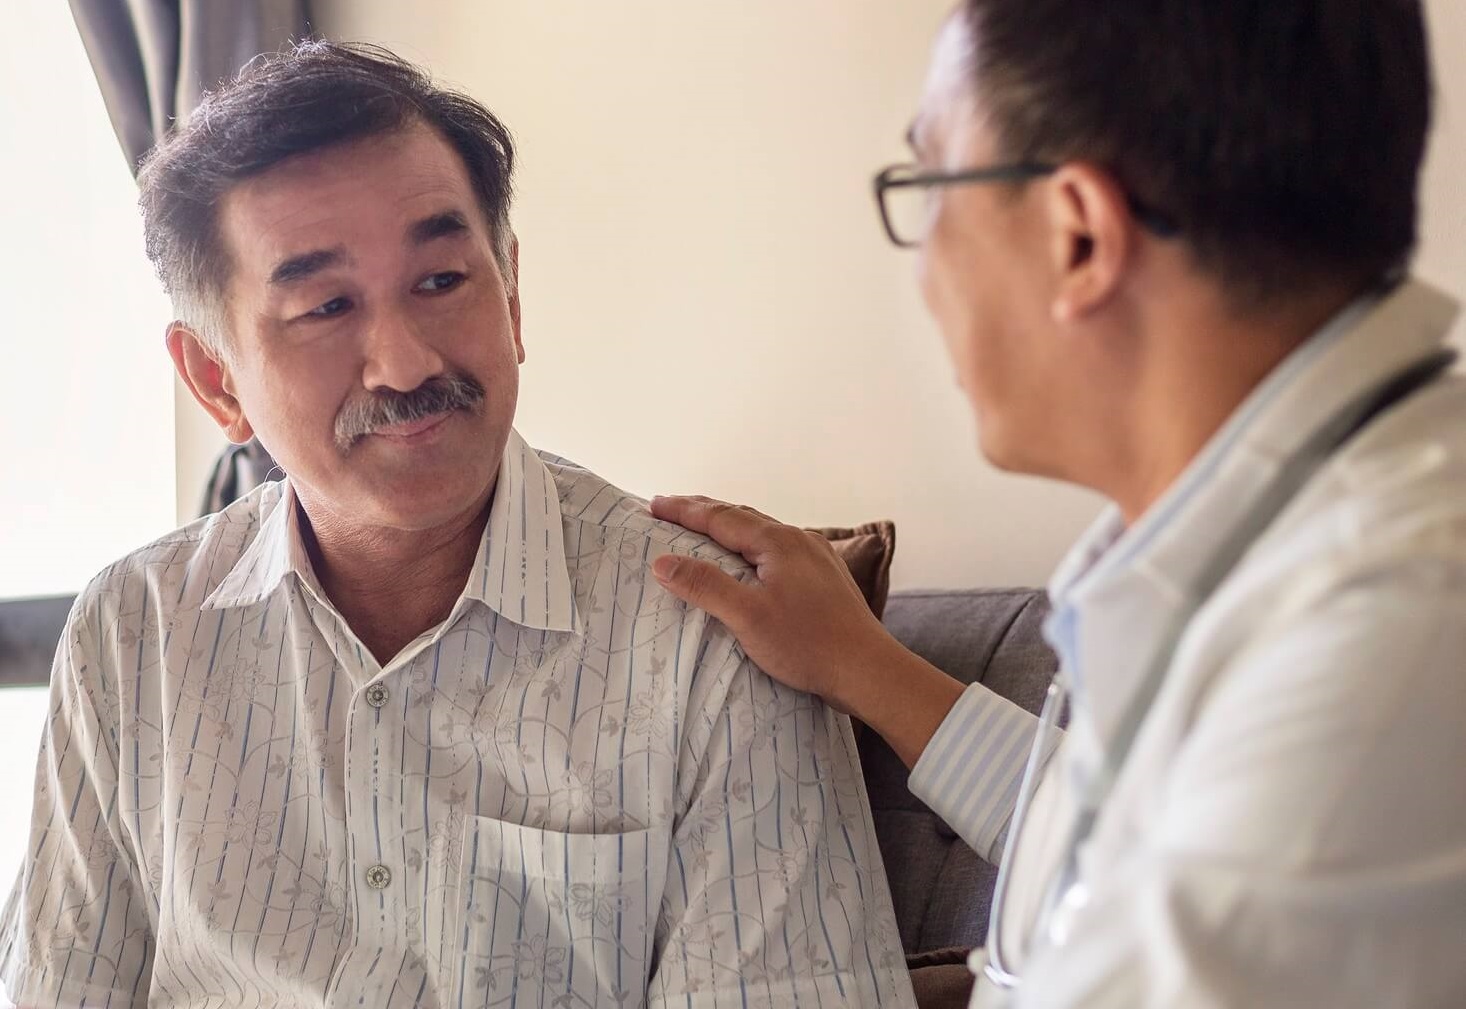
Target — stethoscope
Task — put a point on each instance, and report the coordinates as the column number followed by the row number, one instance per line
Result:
column 1067, row 892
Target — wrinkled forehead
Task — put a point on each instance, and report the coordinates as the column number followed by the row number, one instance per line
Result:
column 364, row 192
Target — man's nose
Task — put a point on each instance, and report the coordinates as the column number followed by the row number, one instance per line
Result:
column 398, row 356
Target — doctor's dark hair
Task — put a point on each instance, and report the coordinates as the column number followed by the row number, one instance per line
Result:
column 1284, row 138
column 314, row 95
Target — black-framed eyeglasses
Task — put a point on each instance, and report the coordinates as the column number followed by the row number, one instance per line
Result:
column 904, row 199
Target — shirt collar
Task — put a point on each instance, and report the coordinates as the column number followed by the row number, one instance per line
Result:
column 276, row 551
column 1119, row 589
column 520, row 571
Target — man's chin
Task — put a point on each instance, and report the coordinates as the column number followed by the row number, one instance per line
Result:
column 1020, row 457
column 434, row 488
column 999, row 452
column 411, row 498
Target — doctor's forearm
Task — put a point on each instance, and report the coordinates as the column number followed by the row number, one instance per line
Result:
column 901, row 696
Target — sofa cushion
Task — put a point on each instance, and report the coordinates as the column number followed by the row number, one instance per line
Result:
column 29, row 631
column 941, row 979
column 867, row 551
column 941, row 889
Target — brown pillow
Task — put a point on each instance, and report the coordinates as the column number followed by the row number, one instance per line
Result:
column 940, row 978
column 867, row 551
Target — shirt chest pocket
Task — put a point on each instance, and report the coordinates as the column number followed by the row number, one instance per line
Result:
column 572, row 916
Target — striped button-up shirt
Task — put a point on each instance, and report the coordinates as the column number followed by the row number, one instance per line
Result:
column 574, row 792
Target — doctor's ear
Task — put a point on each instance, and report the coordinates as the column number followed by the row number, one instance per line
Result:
column 205, row 371
column 1092, row 238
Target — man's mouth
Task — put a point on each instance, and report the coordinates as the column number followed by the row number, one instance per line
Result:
column 413, row 428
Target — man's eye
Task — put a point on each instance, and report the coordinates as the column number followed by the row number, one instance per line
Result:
column 439, row 282
column 333, row 307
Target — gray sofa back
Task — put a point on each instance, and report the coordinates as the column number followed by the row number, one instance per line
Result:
column 29, row 630
column 941, row 889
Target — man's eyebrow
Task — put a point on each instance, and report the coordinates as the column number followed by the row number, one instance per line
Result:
column 306, row 265
column 444, row 225
column 911, row 138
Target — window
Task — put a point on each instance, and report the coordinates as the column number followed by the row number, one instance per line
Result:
column 86, row 397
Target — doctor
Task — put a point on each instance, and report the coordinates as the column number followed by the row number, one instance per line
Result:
column 1166, row 243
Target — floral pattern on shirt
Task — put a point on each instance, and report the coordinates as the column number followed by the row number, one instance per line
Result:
column 574, row 792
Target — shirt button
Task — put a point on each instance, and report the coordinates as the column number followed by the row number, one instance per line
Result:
column 376, row 695
column 378, row 876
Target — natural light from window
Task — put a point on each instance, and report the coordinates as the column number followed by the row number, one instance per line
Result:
column 86, row 397
column 86, row 407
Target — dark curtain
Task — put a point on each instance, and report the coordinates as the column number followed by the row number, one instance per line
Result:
column 155, row 58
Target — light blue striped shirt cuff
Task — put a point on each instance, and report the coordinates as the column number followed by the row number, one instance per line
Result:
column 970, row 771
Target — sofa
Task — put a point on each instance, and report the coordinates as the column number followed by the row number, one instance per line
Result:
column 940, row 888
column 29, row 632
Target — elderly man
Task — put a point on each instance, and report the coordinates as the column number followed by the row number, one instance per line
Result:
column 1166, row 243
column 414, row 727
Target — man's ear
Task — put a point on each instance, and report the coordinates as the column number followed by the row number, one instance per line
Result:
column 516, row 315
column 1093, row 238
column 207, row 377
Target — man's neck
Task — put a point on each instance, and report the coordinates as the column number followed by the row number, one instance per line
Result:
column 1200, row 377
column 392, row 585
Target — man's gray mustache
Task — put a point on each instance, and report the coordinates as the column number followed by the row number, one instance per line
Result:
column 385, row 408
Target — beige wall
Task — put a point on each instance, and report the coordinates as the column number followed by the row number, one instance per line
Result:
column 709, row 303
column 1443, row 240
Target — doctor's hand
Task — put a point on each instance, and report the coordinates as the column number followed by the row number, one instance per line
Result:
column 805, row 622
